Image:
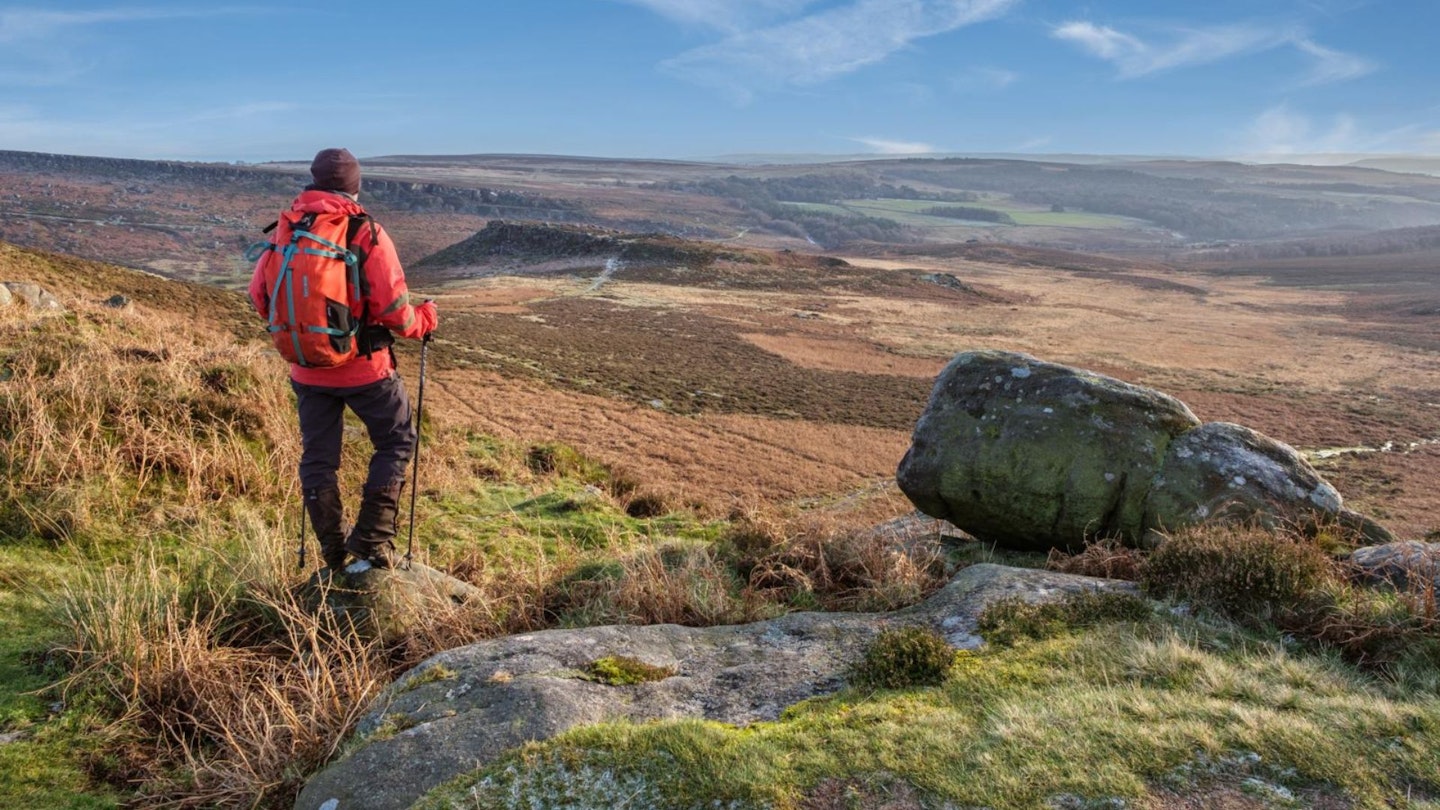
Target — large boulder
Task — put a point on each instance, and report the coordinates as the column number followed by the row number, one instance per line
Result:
column 1034, row 455
column 464, row 707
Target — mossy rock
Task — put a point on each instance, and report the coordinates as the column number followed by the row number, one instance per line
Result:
column 1033, row 455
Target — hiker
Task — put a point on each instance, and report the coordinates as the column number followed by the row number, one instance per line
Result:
column 338, row 334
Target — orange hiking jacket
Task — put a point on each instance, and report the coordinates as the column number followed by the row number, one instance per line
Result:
column 387, row 304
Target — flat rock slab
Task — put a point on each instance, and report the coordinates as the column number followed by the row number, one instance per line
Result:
column 1403, row 565
column 464, row 707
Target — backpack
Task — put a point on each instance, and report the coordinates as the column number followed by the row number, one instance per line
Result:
column 315, row 285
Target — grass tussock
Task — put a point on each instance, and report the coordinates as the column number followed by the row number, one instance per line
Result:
column 1289, row 582
column 815, row 560
column 904, row 657
column 224, row 685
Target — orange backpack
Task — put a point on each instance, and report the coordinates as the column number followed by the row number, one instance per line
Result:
column 314, row 285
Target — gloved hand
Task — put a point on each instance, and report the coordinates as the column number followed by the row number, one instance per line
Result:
column 428, row 317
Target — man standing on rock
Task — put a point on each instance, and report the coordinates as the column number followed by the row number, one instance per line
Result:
column 337, row 335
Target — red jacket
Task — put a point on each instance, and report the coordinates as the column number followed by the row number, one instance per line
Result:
column 388, row 302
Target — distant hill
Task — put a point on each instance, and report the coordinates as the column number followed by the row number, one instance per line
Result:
column 529, row 243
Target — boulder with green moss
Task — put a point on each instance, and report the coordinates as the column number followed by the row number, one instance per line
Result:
column 1034, row 455
column 465, row 707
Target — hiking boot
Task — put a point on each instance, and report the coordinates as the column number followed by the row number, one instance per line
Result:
column 327, row 516
column 373, row 538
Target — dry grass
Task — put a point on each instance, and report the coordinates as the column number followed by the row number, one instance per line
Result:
column 107, row 412
column 1107, row 559
column 225, row 687
column 816, row 560
column 711, row 461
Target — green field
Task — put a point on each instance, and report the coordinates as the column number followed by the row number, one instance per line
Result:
column 911, row 212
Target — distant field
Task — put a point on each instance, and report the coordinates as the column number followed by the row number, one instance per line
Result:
column 911, row 212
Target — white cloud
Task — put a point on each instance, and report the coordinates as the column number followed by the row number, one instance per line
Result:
column 17, row 24
column 826, row 44
column 44, row 47
column 1033, row 144
column 1100, row 40
column 1282, row 131
column 1332, row 65
column 885, row 146
column 1185, row 47
column 726, row 15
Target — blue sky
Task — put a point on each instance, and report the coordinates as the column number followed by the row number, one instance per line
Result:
column 692, row 78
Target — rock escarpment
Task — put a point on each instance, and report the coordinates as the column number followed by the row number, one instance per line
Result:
column 464, row 707
column 1034, row 455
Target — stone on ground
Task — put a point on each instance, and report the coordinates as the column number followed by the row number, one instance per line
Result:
column 31, row 295
column 1404, row 565
column 388, row 603
column 464, row 707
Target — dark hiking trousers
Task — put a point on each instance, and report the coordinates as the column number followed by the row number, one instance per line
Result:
column 385, row 410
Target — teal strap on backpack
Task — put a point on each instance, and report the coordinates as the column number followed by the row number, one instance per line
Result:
column 255, row 251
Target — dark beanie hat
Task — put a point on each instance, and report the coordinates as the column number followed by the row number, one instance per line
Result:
column 336, row 170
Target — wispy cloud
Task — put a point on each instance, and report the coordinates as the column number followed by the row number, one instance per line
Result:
column 727, row 15
column 1282, row 131
column 43, row 47
column 1332, row 65
column 825, row 44
column 1185, row 47
column 885, row 146
column 17, row 24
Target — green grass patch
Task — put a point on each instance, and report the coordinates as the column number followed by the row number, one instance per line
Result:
column 1109, row 712
column 44, row 765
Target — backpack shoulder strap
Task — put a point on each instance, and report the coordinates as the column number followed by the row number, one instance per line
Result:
column 352, row 230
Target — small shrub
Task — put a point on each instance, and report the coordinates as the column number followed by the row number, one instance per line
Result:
column 1107, row 559
column 1009, row 620
column 620, row 670
column 903, row 658
column 1245, row 574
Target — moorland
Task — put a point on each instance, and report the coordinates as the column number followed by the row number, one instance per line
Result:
column 633, row 355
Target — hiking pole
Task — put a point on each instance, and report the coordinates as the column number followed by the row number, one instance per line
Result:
column 301, row 551
column 415, row 462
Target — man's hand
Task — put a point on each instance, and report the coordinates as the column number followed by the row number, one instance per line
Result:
column 428, row 316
